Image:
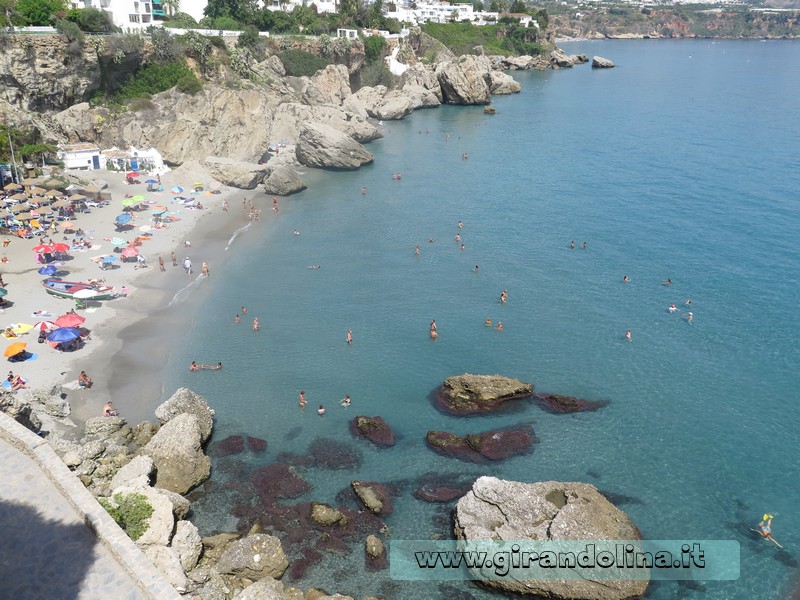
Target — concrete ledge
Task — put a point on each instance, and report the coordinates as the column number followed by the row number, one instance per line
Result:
column 152, row 583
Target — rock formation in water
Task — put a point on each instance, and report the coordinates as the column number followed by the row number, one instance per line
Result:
column 471, row 394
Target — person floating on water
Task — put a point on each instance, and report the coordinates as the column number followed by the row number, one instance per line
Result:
column 193, row 366
column 349, row 336
column 628, row 335
column 302, row 401
column 488, row 322
column 504, row 297
column 688, row 302
column 499, row 326
column 667, row 282
column 585, row 245
column 434, row 332
column 765, row 529
column 416, row 250
column 690, row 317
column 672, row 308
column 321, row 410
column 256, row 324
column 460, row 225
column 626, row 279
column 237, row 319
column 572, row 244
column 345, row 401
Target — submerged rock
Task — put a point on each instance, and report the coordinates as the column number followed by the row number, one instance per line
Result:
column 559, row 404
column 278, row 481
column 471, row 394
column 256, row 444
column 375, row 429
column 509, row 510
column 497, row 444
column 374, row 496
column 332, row 454
column 233, row 444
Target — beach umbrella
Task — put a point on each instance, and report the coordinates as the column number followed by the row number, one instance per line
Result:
column 29, row 181
column 52, row 194
column 19, row 197
column 129, row 252
column 24, row 216
column 123, row 218
column 63, row 334
column 137, row 198
column 43, row 249
column 15, row 349
column 45, row 326
column 60, row 247
column 38, row 191
column 76, row 198
column 91, row 189
column 151, row 181
column 47, row 270
column 177, row 190
column 118, row 241
column 3, row 292
column 67, row 224
column 132, row 174
column 13, row 186
column 63, row 203
column 70, row 319
column 108, row 259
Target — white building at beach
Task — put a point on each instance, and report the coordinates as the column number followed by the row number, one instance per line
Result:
column 134, row 159
column 80, row 156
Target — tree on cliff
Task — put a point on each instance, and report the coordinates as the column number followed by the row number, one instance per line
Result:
column 40, row 12
column 7, row 6
column 240, row 10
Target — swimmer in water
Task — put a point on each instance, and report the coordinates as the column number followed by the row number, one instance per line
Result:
column 488, row 322
column 193, row 366
column 313, row 266
column 572, row 244
column 585, row 245
column 476, row 268
column 349, row 336
column 504, row 297
column 765, row 529
column 626, row 279
column 363, row 190
column 416, row 250
column 302, row 401
column 672, row 308
column 321, row 410
column 244, row 310
column 667, row 282
column 690, row 317
column 256, row 324
column 628, row 335
column 434, row 332
column 460, row 225
column 295, row 232
column 462, row 247
column 499, row 326
column 688, row 302
column 458, row 237
column 345, row 401
column 236, row 319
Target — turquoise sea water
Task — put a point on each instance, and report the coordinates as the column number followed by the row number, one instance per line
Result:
column 681, row 163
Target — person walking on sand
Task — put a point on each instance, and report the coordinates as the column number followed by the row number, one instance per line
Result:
column 161, row 263
column 256, row 324
column 174, row 259
column 225, row 205
column 204, row 268
column 187, row 265
column 349, row 336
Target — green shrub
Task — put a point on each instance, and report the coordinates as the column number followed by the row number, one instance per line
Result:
column 374, row 48
column 39, row 12
column 165, row 47
column 226, row 23
column 131, row 512
column 92, row 20
column 218, row 42
column 139, row 104
column 249, row 37
column 189, row 84
column 181, row 20
column 70, row 30
column 152, row 79
column 376, row 73
column 299, row 63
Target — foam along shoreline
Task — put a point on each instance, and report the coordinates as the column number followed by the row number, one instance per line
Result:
column 128, row 376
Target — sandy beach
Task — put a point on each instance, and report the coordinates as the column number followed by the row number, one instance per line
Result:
column 127, row 373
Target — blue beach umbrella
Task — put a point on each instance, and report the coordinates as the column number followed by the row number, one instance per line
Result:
column 64, row 334
column 123, row 218
column 151, row 181
column 47, row 270
column 177, row 189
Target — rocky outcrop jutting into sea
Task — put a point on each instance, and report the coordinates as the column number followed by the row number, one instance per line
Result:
column 471, row 394
column 495, row 509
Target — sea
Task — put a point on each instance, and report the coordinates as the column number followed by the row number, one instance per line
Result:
column 681, row 163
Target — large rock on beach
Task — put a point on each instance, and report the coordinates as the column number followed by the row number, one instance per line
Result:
column 183, row 401
column 235, row 173
column 20, row 411
column 598, row 62
column 471, row 394
column 168, row 562
column 160, row 523
column 420, row 97
column 330, row 85
column 508, row 510
column 134, row 474
column 462, row 80
column 325, row 147
column 187, row 543
column 177, row 454
column 266, row 589
column 283, row 181
column 255, row 557
column 493, row 445
column 375, row 429
column 103, row 426
column 419, row 75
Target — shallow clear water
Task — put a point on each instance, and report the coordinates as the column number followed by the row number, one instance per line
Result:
column 681, row 163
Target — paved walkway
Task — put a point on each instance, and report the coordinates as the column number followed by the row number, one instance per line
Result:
column 56, row 541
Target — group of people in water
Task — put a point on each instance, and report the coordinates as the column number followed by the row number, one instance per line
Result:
column 671, row 309
column 345, row 402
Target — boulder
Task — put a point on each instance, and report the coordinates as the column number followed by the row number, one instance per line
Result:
column 375, row 429
column 235, row 173
column 369, row 98
column 52, row 402
column 266, row 589
column 419, row 75
column 395, row 105
column 374, row 496
column 282, row 180
column 167, row 561
column 462, row 80
column 374, row 546
column 187, row 544
column 160, row 523
column 326, row 515
column 470, row 394
column 420, row 97
column 330, row 85
column 177, row 454
column 186, row 401
column 20, row 411
column 559, row 404
column 134, row 474
column 508, row 510
column 325, row 147
column 255, row 557
column 515, row 63
column 290, row 118
column 501, row 83
column 103, row 426
column 598, row 62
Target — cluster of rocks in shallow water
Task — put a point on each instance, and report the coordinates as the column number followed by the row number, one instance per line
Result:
column 276, row 538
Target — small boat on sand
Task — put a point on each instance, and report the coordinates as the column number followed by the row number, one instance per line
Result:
column 84, row 290
column 489, row 110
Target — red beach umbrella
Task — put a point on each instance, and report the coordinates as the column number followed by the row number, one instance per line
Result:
column 69, row 320
column 43, row 249
column 132, row 175
column 61, row 247
column 129, row 252
column 45, row 326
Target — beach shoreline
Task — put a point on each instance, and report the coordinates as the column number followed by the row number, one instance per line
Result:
column 130, row 336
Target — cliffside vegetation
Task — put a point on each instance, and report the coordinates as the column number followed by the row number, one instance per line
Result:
column 506, row 37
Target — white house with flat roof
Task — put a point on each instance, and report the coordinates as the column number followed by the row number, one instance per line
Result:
column 126, row 14
column 79, row 156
